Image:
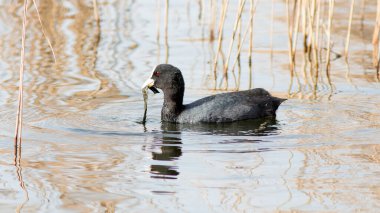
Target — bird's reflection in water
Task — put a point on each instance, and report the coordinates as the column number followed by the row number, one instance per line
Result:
column 257, row 127
column 164, row 172
column 170, row 150
column 170, row 145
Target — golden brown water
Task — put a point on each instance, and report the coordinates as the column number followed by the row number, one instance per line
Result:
column 84, row 148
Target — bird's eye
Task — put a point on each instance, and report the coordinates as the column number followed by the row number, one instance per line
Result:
column 156, row 73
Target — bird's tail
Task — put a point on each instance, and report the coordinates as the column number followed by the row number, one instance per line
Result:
column 276, row 102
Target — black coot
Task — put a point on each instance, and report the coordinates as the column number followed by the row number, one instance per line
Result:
column 220, row 108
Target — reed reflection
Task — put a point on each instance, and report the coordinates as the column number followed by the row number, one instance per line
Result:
column 17, row 163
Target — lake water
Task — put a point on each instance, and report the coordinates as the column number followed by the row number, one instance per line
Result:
column 84, row 148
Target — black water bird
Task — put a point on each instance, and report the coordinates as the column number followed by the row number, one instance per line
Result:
column 220, row 108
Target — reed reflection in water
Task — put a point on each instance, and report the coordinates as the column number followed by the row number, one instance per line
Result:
column 84, row 148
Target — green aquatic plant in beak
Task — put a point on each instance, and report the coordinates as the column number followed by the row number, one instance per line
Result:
column 148, row 84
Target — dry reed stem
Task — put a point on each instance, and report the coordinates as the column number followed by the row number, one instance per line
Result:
column 18, row 130
column 315, row 44
column 238, row 16
column 240, row 45
column 375, row 39
column 290, row 36
column 290, row 42
column 201, row 10
column 43, row 31
column 349, row 29
column 158, row 19
column 237, row 59
column 166, row 31
column 96, row 15
column 304, row 73
column 220, row 36
column 271, row 24
column 158, row 36
column 293, row 27
column 296, row 28
column 213, row 19
column 250, row 50
column 378, row 71
column 307, row 29
column 362, row 9
column 313, row 16
column 304, row 10
column 318, row 24
column 312, row 11
column 330, row 17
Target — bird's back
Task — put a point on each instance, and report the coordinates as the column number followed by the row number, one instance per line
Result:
column 229, row 107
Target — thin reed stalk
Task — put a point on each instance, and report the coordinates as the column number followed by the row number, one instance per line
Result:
column 375, row 38
column 250, row 50
column 362, row 14
column 220, row 37
column 201, row 10
column 317, row 25
column 290, row 42
column 43, row 30
column 290, row 37
column 316, row 51
column 18, row 130
column 158, row 31
column 166, row 31
column 213, row 19
column 239, row 45
column 96, row 15
column 296, row 28
column 236, row 24
column 293, row 27
column 271, row 24
column 158, row 20
column 378, row 71
column 304, row 65
column 241, row 42
column 305, row 27
column 328, row 32
column 349, row 29
column 313, row 12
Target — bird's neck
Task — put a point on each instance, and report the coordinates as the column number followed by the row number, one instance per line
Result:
column 173, row 105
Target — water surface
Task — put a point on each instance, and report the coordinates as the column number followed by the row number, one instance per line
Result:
column 84, row 148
